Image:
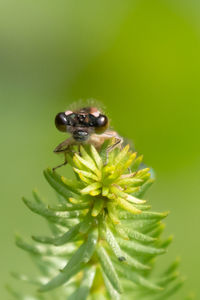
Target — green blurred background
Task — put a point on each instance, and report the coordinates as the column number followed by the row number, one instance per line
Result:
column 142, row 60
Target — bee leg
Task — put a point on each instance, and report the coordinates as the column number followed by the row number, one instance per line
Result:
column 59, row 166
column 118, row 142
column 64, row 147
column 63, row 164
column 79, row 149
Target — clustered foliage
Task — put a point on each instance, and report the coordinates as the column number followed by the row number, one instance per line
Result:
column 104, row 237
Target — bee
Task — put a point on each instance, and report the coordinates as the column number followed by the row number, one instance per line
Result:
column 87, row 125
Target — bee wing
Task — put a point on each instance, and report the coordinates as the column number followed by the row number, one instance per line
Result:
column 62, row 147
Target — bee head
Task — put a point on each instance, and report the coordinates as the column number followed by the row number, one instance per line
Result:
column 82, row 123
column 74, row 123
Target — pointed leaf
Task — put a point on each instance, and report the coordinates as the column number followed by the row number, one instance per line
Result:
column 169, row 292
column 146, row 215
column 122, row 154
column 83, row 291
column 127, row 206
column 111, row 291
column 103, row 150
column 112, row 242
column 60, row 240
column 172, row 268
column 105, row 191
column 98, row 206
column 138, row 279
column 144, row 188
column 44, row 250
column 108, row 268
column 58, row 185
column 37, row 197
column 89, row 164
column 164, row 281
column 75, row 264
column 25, row 278
column 96, row 157
column 133, row 262
column 86, row 174
column 139, row 248
column 138, row 235
column 136, row 163
column 70, row 207
column 61, row 278
column 92, row 187
column 57, row 217
column 112, row 212
column 86, row 224
column 120, row 194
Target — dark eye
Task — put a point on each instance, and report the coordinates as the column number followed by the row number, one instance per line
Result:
column 101, row 121
column 72, row 119
column 61, row 121
column 92, row 120
column 101, row 124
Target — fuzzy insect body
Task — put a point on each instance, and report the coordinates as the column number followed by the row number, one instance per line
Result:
column 87, row 125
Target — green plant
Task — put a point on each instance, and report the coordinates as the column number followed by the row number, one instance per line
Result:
column 104, row 237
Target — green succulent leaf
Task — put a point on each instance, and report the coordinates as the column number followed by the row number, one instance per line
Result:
column 83, row 291
column 60, row 240
column 109, row 269
column 104, row 239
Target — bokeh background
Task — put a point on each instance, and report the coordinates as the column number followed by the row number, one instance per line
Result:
column 140, row 58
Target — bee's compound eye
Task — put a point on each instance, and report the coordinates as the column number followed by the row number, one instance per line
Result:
column 92, row 120
column 61, row 121
column 101, row 121
column 101, row 124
